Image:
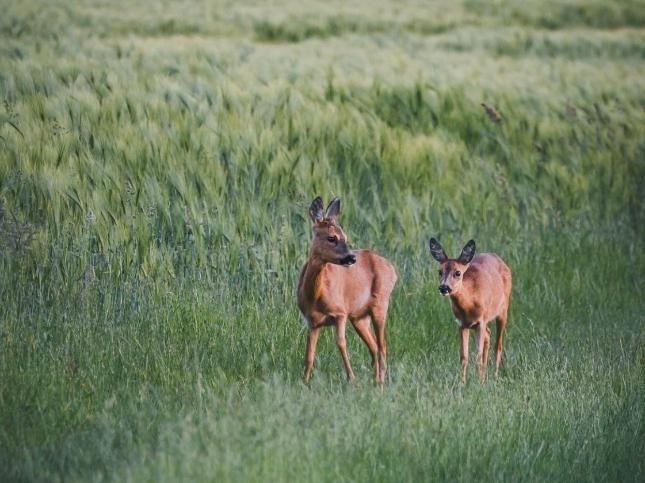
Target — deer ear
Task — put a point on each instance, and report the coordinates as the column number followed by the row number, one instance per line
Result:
column 316, row 212
column 436, row 250
column 467, row 253
column 333, row 209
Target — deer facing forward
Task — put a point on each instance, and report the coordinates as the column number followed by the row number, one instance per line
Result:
column 479, row 288
column 337, row 285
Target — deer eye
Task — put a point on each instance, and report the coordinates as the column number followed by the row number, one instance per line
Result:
column 332, row 239
column 457, row 273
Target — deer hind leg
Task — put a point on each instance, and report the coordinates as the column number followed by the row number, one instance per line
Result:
column 362, row 327
column 341, row 323
column 463, row 351
column 486, row 345
column 379, row 315
column 482, row 333
column 499, row 336
column 310, row 352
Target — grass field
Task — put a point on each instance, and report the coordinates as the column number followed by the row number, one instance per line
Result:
column 157, row 160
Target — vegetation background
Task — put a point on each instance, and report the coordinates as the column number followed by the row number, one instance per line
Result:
column 157, row 161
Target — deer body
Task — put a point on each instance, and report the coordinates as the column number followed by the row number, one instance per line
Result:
column 479, row 288
column 326, row 289
column 337, row 285
column 485, row 290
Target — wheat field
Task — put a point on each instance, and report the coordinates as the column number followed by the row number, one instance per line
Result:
column 157, row 161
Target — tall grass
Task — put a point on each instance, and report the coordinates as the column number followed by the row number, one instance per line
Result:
column 156, row 168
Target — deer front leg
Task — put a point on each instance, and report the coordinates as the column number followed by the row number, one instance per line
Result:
column 341, row 322
column 310, row 353
column 463, row 352
column 482, row 335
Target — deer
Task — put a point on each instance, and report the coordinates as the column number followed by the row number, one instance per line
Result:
column 479, row 287
column 337, row 284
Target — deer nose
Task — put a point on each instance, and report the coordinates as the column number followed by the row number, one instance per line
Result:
column 444, row 289
column 349, row 260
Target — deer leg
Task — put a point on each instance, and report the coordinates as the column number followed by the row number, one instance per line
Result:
column 378, row 318
column 481, row 342
column 362, row 327
column 463, row 351
column 341, row 322
column 499, row 335
column 486, row 345
column 310, row 353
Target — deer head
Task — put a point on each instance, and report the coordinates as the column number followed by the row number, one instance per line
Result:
column 330, row 243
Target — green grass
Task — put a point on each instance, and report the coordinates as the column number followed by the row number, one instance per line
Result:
column 156, row 167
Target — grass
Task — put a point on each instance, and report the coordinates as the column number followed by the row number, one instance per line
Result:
column 156, row 168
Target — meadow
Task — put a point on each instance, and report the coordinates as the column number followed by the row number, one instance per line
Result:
column 157, row 161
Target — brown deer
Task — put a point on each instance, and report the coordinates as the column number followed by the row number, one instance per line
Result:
column 337, row 285
column 480, row 289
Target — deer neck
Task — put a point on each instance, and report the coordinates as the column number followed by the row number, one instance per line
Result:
column 314, row 276
column 461, row 299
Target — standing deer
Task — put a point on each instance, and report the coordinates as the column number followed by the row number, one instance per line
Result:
column 480, row 289
column 337, row 284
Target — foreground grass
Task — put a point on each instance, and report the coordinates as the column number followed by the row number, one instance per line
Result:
column 155, row 172
column 138, row 383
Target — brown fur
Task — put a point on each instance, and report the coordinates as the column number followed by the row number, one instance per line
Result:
column 331, row 294
column 479, row 295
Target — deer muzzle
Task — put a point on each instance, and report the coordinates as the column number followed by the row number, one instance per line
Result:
column 348, row 260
